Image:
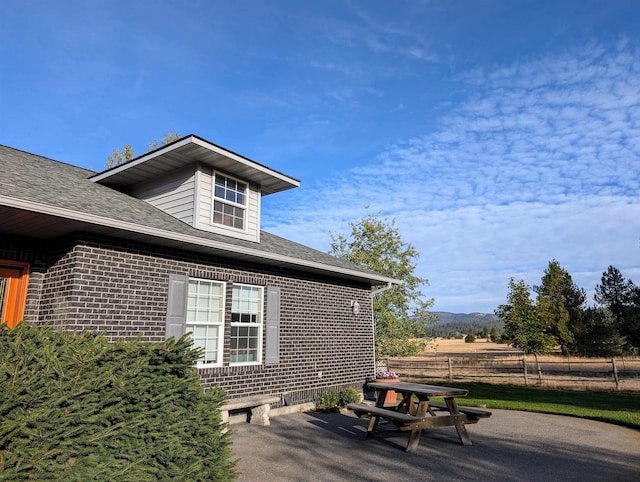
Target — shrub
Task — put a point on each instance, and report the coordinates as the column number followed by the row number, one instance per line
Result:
column 328, row 400
column 73, row 406
column 334, row 399
column 470, row 338
column 348, row 395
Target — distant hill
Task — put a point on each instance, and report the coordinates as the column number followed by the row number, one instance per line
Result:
column 452, row 324
column 446, row 317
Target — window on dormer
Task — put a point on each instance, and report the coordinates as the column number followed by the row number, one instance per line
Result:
column 229, row 202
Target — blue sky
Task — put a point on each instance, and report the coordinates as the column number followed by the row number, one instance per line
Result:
column 500, row 134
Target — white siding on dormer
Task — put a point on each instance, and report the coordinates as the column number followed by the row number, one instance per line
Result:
column 173, row 194
column 204, row 220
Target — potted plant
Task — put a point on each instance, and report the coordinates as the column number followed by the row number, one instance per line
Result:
column 388, row 376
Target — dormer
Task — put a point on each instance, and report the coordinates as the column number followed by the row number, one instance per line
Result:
column 202, row 184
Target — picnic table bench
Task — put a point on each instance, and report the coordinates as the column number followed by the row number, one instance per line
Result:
column 414, row 416
column 473, row 414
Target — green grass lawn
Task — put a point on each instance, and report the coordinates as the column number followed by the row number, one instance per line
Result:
column 613, row 407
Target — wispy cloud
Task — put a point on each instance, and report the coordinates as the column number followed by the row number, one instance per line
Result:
column 378, row 36
column 540, row 161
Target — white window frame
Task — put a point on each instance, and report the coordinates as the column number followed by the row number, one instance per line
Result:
column 259, row 324
column 224, row 201
column 218, row 322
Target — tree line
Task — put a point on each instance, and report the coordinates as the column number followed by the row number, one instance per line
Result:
column 458, row 329
column 538, row 319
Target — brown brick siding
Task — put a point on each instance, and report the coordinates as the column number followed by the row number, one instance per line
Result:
column 120, row 288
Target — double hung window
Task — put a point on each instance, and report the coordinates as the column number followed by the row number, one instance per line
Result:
column 205, row 318
column 246, row 324
column 197, row 307
column 229, row 202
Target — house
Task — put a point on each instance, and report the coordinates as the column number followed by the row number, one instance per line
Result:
column 170, row 243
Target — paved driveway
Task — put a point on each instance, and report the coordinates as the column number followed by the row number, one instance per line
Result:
column 508, row 446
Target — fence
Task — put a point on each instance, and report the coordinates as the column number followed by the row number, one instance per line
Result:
column 550, row 371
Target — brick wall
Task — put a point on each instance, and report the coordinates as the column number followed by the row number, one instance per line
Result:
column 120, row 288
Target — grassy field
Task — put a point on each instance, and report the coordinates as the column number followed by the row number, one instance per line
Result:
column 618, row 408
column 441, row 346
column 495, row 363
column 577, row 399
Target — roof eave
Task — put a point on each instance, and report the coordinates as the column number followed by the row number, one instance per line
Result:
column 277, row 181
column 193, row 241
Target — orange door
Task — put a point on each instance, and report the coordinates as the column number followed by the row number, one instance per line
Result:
column 13, row 291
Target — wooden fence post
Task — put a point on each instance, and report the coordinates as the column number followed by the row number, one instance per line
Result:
column 615, row 373
column 538, row 367
column 450, row 369
column 524, row 369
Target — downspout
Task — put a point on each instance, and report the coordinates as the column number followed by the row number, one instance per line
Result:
column 375, row 292
column 380, row 290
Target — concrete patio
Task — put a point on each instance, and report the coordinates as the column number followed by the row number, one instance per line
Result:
column 509, row 446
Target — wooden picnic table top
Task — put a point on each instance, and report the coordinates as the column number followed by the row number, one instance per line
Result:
column 416, row 416
column 420, row 389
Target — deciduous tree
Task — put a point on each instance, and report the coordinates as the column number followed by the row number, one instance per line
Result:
column 401, row 311
column 120, row 156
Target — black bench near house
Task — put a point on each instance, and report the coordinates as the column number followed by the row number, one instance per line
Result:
column 258, row 408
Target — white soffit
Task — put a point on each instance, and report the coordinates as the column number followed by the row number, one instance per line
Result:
column 189, row 150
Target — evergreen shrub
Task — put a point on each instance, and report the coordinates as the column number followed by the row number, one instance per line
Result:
column 75, row 407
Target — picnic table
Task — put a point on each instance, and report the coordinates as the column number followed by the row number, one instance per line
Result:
column 415, row 411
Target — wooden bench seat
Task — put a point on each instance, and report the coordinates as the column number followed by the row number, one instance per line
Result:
column 473, row 414
column 361, row 409
column 259, row 406
column 405, row 421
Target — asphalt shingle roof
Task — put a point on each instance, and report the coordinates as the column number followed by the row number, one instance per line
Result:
column 29, row 177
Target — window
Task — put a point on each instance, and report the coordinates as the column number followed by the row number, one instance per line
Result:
column 197, row 307
column 205, row 318
column 229, row 202
column 246, row 324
